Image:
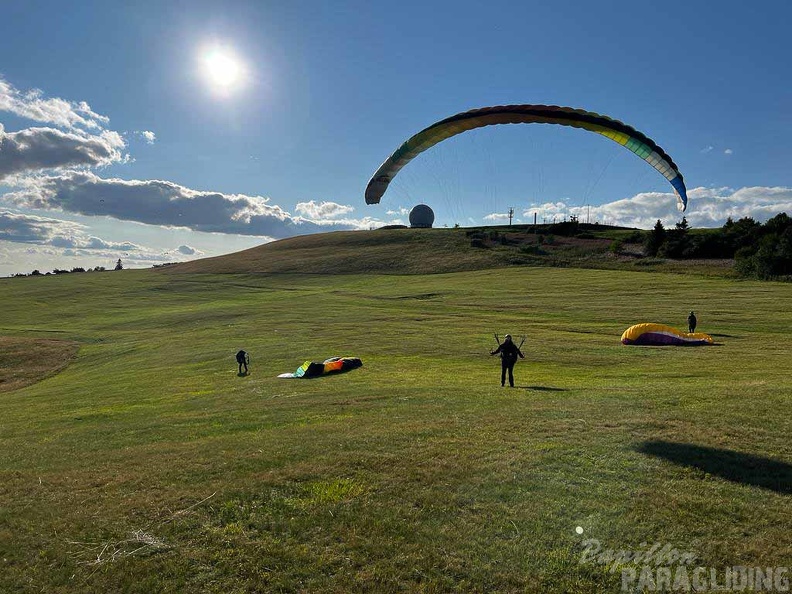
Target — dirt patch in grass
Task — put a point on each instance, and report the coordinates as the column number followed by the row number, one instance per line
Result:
column 25, row 361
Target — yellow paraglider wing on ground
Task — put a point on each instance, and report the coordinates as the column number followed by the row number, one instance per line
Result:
column 662, row 335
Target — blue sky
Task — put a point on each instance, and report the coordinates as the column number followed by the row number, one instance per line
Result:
column 117, row 142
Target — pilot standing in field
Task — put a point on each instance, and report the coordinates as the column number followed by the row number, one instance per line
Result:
column 692, row 322
column 509, row 353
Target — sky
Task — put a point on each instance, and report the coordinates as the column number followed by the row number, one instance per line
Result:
column 157, row 132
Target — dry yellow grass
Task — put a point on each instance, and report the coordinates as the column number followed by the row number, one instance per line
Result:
column 25, row 361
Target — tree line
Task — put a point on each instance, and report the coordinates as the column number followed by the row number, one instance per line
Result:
column 119, row 266
column 760, row 250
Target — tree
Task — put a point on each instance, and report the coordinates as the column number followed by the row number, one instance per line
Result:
column 771, row 256
column 741, row 233
column 778, row 224
column 655, row 239
column 118, row 265
column 677, row 243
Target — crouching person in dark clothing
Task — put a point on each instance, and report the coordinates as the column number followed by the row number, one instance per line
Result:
column 509, row 353
column 243, row 359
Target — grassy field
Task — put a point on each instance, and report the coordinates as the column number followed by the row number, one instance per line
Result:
column 149, row 465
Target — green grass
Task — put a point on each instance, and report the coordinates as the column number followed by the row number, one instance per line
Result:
column 148, row 465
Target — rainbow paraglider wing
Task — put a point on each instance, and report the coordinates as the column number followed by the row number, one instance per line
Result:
column 617, row 131
column 310, row 369
column 660, row 335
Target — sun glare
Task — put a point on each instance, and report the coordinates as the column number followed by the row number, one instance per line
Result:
column 222, row 70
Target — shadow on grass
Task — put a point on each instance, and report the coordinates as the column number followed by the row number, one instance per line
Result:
column 542, row 388
column 737, row 467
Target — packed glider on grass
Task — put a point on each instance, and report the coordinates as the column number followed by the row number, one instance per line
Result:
column 328, row 366
column 617, row 131
column 660, row 335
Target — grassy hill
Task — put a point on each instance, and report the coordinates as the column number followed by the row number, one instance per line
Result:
column 432, row 251
column 397, row 251
column 148, row 465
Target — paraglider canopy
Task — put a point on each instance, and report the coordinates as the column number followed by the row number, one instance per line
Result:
column 629, row 137
column 310, row 369
column 662, row 335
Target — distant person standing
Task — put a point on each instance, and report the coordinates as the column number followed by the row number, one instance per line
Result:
column 509, row 353
column 692, row 322
column 243, row 359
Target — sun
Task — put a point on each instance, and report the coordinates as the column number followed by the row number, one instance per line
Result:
column 222, row 69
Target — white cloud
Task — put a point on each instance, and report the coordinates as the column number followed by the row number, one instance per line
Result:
column 188, row 251
column 35, row 149
column 147, row 135
column 47, row 169
column 96, row 243
column 141, row 255
column 60, row 112
column 320, row 211
column 710, row 148
column 157, row 202
column 21, row 258
column 707, row 207
column 32, row 229
column 352, row 224
column 25, row 228
column 30, row 242
column 497, row 216
column 401, row 211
